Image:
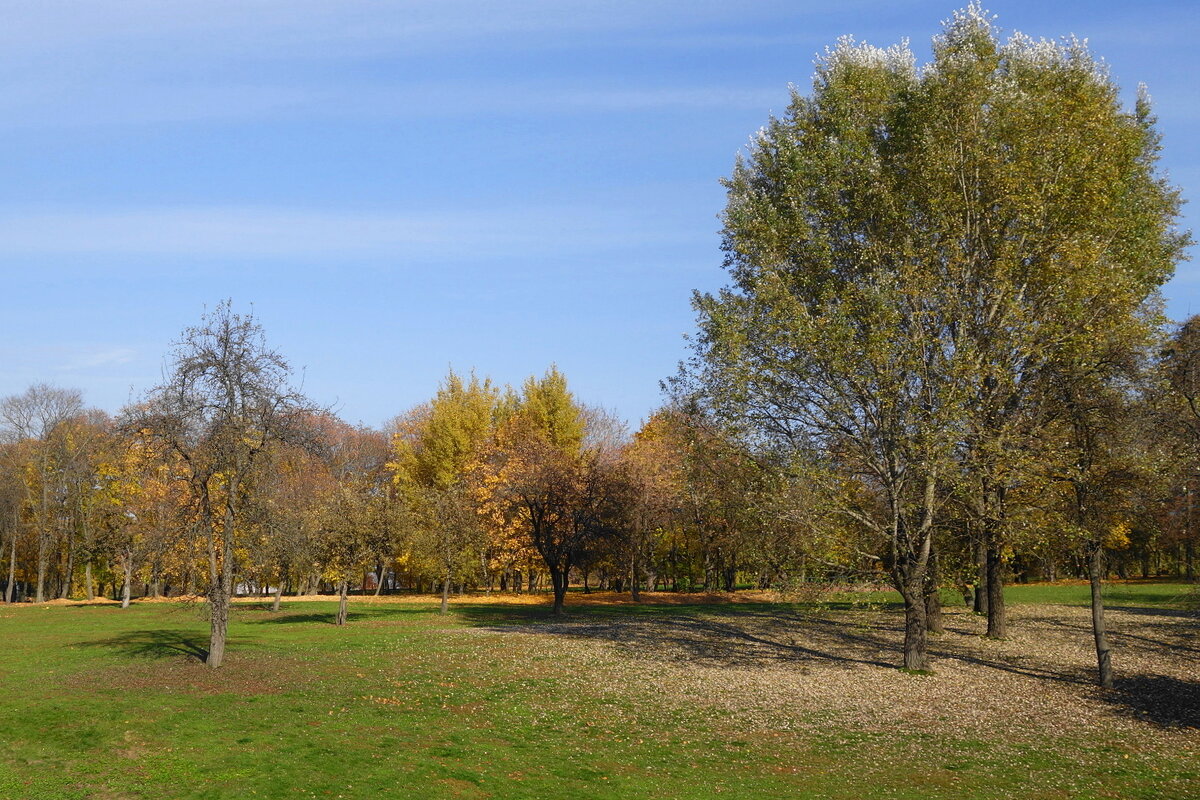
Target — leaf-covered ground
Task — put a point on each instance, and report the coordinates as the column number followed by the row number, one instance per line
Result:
column 665, row 699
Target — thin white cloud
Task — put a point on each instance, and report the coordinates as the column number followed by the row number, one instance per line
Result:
column 63, row 104
column 254, row 232
column 252, row 25
column 93, row 358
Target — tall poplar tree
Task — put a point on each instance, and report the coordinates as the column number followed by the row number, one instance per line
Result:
column 909, row 250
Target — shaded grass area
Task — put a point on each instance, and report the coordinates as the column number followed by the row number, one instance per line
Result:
column 495, row 701
column 1138, row 596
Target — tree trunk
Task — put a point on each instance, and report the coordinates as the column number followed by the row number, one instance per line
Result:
column 278, row 596
column 378, row 579
column 997, row 627
column 43, row 565
column 344, row 591
column 222, row 580
column 12, row 568
column 125, row 591
column 446, row 593
column 1103, row 659
column 914, row 626
column 635, row 579
column 218, row 608
column 933, row 597
column 69, row 574
column 981, row 592
column 558, row 579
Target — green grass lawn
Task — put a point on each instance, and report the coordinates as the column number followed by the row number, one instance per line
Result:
column 100, row 702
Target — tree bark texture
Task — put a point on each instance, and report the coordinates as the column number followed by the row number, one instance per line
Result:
column 997, row 627
column 1099, row 633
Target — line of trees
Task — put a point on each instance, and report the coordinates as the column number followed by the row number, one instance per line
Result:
column 941, row 362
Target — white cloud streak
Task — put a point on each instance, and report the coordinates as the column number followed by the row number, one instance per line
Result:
column 253, row 232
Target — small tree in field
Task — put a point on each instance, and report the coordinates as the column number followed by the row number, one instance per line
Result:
column 225, row 400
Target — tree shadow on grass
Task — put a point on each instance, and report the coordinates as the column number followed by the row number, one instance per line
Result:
column 158, row 644
column 284, row 617
column 738, row 636
column 719, row 636
column 1165, row 701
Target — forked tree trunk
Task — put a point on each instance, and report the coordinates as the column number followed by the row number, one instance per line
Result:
column 343, row 591
column 1103, row 656
column 558, row 579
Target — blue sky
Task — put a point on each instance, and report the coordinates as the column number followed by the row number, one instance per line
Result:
column 401, row 187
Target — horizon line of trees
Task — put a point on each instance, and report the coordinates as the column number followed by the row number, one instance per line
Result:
column 941, row 361
column 496, row 489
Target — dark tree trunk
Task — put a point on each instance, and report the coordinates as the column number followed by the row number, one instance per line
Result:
column 558, row 579
column 981, row 591
column 997, row 627
column 222, row 580
column 933, row 597
column 914, row 624
column 1103, row 659
column 218, row 600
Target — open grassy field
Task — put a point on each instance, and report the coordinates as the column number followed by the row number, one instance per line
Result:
column 672, row 698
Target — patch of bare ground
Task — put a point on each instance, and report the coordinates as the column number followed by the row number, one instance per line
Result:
column 780, row 669
column 185, row 673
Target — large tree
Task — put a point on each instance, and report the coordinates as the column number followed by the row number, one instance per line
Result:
column 431, row 467
column 909, row 249
column 1035, row 193
column 226, row 399
column 551, row 474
